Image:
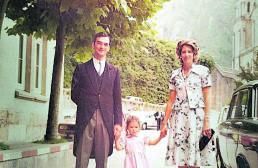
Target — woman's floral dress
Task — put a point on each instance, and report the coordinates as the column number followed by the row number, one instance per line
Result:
column 187, row 119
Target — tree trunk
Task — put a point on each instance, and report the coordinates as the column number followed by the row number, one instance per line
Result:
column 53, row 111
column 3, row 6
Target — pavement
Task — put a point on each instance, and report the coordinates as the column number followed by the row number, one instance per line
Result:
column 24, row 150
column 155, row 154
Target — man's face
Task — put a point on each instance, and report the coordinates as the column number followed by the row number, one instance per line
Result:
column 101, row 47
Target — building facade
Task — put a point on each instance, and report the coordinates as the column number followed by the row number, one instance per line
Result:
column 245, row 39
column 223, row 85
column 25, row 73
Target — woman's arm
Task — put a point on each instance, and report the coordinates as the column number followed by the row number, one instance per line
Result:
column 155, row 141
column 171, row 100
column 206, row 95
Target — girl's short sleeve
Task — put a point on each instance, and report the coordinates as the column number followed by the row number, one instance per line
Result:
column 206, row 77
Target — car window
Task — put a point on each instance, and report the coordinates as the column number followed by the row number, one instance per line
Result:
column 239, row 105
column 232, row 108
column 256, row 102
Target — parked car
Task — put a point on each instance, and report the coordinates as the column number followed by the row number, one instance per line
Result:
column 223, row 114
column 237, row 135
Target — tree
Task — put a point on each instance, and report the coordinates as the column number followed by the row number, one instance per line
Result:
column 3, row 5
column 72, row 24
column 249, row 73
column 207, row 61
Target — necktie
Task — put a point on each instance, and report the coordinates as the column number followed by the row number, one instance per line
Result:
column 99, row 72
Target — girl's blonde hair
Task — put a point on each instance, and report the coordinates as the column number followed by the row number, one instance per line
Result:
column 131, row 118
column 192, row 44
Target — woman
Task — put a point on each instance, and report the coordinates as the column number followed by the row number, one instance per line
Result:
column 190, row 87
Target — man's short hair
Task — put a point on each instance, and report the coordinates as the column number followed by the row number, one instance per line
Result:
column 101, row 34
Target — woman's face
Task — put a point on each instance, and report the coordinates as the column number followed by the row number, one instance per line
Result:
column 133, row 128
column 187, row 55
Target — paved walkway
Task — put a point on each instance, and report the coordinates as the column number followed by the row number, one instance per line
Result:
column 19, row 151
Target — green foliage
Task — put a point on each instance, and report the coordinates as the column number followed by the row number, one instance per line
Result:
column 70, row 64
column 72, row 24
column 121, row 18
column 4, row 146
column 52, row 141
column 145, row 64
column 248, row 73
column 207, row 61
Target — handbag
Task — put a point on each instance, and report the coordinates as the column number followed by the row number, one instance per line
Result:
column 204, row 140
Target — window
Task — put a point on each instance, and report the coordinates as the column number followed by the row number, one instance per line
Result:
column 37, row 65
column 239, row 105
column 20, row 60
column 248, row 34
column 232, row 109
column 32, row 63
column 37, row 56
column 256, row 103
column 248, row 7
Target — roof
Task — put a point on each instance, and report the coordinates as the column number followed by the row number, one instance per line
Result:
column 227, row 72
column 248, row 84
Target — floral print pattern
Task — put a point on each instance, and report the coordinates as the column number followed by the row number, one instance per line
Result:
column 187, row 119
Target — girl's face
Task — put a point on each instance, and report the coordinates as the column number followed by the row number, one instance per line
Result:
column 133, row 128
column 187, row 55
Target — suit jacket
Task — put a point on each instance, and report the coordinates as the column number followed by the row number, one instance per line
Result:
column 88, row 97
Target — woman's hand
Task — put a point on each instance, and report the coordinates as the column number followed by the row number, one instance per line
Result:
column 207, row 132
column 163, row 130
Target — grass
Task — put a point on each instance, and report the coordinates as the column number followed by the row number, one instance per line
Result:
column 4, row 146
column 52, row 141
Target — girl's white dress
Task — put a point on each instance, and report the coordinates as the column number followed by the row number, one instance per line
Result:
column 135, row 156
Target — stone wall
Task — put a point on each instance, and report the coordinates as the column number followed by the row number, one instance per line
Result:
column 223, row 85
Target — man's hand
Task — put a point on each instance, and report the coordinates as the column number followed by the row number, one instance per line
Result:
column 117, row 131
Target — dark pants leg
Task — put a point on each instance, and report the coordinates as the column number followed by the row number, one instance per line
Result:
column 95, row 137
column 101, row 142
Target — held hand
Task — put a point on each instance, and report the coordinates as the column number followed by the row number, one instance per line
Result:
column 117, row 131
column 163, row 134
column 163, row 130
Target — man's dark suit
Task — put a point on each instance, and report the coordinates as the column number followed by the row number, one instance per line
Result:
column 90, row 94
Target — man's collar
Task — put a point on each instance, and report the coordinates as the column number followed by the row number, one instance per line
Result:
column 96, row 60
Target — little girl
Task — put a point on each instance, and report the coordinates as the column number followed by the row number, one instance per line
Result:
column 135, row 144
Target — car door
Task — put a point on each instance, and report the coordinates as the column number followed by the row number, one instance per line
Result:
column 223, row 130
column 247, row 151
column 235, row 122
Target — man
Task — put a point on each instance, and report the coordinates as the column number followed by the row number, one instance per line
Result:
column 97, row 93
column 157, row 116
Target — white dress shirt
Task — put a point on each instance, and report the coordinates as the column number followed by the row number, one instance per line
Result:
column 99, row 69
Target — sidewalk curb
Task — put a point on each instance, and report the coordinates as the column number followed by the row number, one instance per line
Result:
column 37, row 149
